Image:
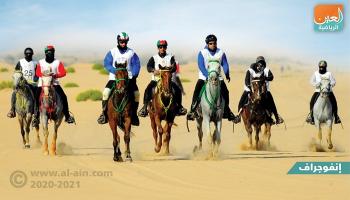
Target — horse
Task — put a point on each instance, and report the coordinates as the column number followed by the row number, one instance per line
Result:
column 211, row 109
column 162, row 107
column 255, row 113
column 25, row 103
column 51, row 108
column 323, row 113
column 119, row 112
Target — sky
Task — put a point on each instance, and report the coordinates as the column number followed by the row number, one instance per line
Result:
column 273, row 28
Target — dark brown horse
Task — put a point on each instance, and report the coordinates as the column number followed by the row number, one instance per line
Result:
column 119, row 112
column 163, row 108
column 255, row 113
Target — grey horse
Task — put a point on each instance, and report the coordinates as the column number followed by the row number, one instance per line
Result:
column 24, row 106
column 51, row 108
column 323, row 111
column 211, row 109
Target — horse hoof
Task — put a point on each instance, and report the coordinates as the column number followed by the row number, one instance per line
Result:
column 156, row 149
column 27, row 146
column 128, row 159
column 330, row 146
column 118, row 159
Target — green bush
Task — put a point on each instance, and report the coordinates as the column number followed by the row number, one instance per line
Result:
column 6, row 84
column 3, row 69
column 70, row 70
column 93, row 95
column 185, row 80
column 104, row 71
column 97, row 67
column 70, row 85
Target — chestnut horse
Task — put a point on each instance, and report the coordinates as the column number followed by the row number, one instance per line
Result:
column 255, row 113
column 163, row 108
column 119, row 112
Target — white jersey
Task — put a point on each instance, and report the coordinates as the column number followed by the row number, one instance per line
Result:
column 317, row 77
column 207, row 57
column 253, row 74
column 266, row 74
column 28, row 70
column 49, row 67
column 165, row 62
column 121, row 58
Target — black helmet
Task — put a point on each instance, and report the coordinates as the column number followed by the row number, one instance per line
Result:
column 322, row 63
column 261, row 59
column 210, row 38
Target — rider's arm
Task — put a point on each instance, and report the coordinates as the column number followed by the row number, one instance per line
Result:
column 38, row 70
column 225, row 65
column 18, row 66
column 150, row 65
column 332, row 79
column 268, row 75
column 172, row 62
column 201, row 65
column 313, row 80
column 247, row 79
column 135, row 65
column 61, row 71
column 108, row 63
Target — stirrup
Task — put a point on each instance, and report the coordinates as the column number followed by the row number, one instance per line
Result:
column 11, row 114
column 102, row 119
column 143, row 112
column 35, row 122
column 191, row 116
column 181, row 111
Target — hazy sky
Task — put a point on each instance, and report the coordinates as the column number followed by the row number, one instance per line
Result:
column 272, row 28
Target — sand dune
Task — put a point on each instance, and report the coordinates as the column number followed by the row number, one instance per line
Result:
column 235, row 173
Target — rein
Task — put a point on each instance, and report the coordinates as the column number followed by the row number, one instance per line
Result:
column 120, row 108
column 214, row 97
column 166, row 108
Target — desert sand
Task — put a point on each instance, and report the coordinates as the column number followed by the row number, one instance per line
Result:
column 234, row 174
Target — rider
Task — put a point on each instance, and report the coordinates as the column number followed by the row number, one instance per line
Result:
column 56, row 68
column 27, row 65
column 259, row 69
column 165, row 59
column 316, row 81
column 121, row 52
column 211, row 51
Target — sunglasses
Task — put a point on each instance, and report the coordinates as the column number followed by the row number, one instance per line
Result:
column 211, row 43
column 123, row 42
column 162, row 47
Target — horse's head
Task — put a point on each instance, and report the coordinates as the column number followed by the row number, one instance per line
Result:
column 214, row 68
column 121, row 77
column 47, row 81
column 165, row 77
column 325, row 87
column 18, row 80
column 258, row 86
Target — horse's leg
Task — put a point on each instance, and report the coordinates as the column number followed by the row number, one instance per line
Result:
column 257, row 131
column 318, row 126
column 38, row 141
column 217, row 137
column 45, row 127
column 200, row 134
column 21, row 127
column 267, row 133
column 57, row 124
column 248, row 127
column 27, row 129
column 329, row 136
column 160, row 132
column 113, row 125
column 127, row 125
column 154, row 129
column 167, row 136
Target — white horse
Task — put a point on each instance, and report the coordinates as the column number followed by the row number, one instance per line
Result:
column 211, row 109
column 323, row 113
column 51, row 108
column 24, row 107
